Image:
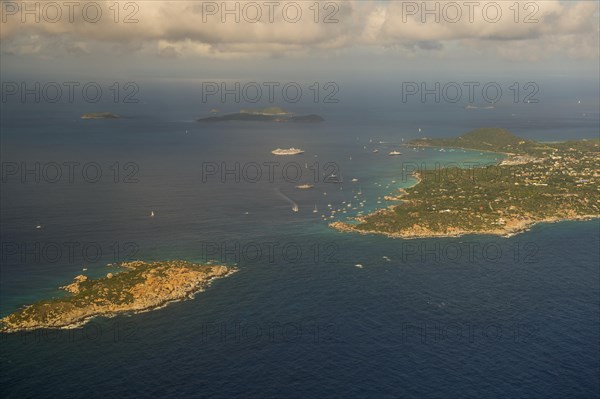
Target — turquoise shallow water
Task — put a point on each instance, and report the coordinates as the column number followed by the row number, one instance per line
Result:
column 456, row 317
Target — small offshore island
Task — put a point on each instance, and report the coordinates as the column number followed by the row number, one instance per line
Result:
column 538, row 182
column 141, row 286
column 270, row 114
column 100, row 115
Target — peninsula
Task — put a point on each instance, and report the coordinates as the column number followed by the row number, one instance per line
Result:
column 538, row 182
column 141, row 286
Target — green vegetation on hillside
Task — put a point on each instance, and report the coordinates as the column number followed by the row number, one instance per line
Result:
column 261, row 117
column 545, row 182
column 139, row 286
column 265, row 111
column 487, row 139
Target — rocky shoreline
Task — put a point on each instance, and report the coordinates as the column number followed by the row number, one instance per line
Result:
column 516, row 227
column 511, row 228
column 140, row 287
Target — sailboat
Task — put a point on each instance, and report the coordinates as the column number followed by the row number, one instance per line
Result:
column 333, row 178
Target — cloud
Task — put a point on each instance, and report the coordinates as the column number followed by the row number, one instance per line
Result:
column 168, row 51
column 298, row 29
column 24, row 45
column 78, row 48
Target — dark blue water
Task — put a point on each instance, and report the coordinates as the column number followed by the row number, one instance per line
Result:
column 474, row 316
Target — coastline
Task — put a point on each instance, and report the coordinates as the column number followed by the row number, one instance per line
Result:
column 508, row 154
column 510, row 228
column 522, row 227
column 147, row 301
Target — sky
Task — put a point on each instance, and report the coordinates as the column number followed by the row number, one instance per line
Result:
column 186, row 41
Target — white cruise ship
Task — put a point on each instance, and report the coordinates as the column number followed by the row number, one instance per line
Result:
column 288, row 151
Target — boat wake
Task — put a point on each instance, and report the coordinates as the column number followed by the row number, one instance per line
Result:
column 288, row 199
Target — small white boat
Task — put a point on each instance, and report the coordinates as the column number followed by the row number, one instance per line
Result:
column 295, row 208
column 151, row 214
column 358, row 265
column 315, row 210
column 395, row 153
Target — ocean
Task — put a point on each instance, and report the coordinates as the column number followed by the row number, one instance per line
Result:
column 474, row 316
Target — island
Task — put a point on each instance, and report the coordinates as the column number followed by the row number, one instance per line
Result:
column 537, row 182
column 140, row 286
column 270, row 114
